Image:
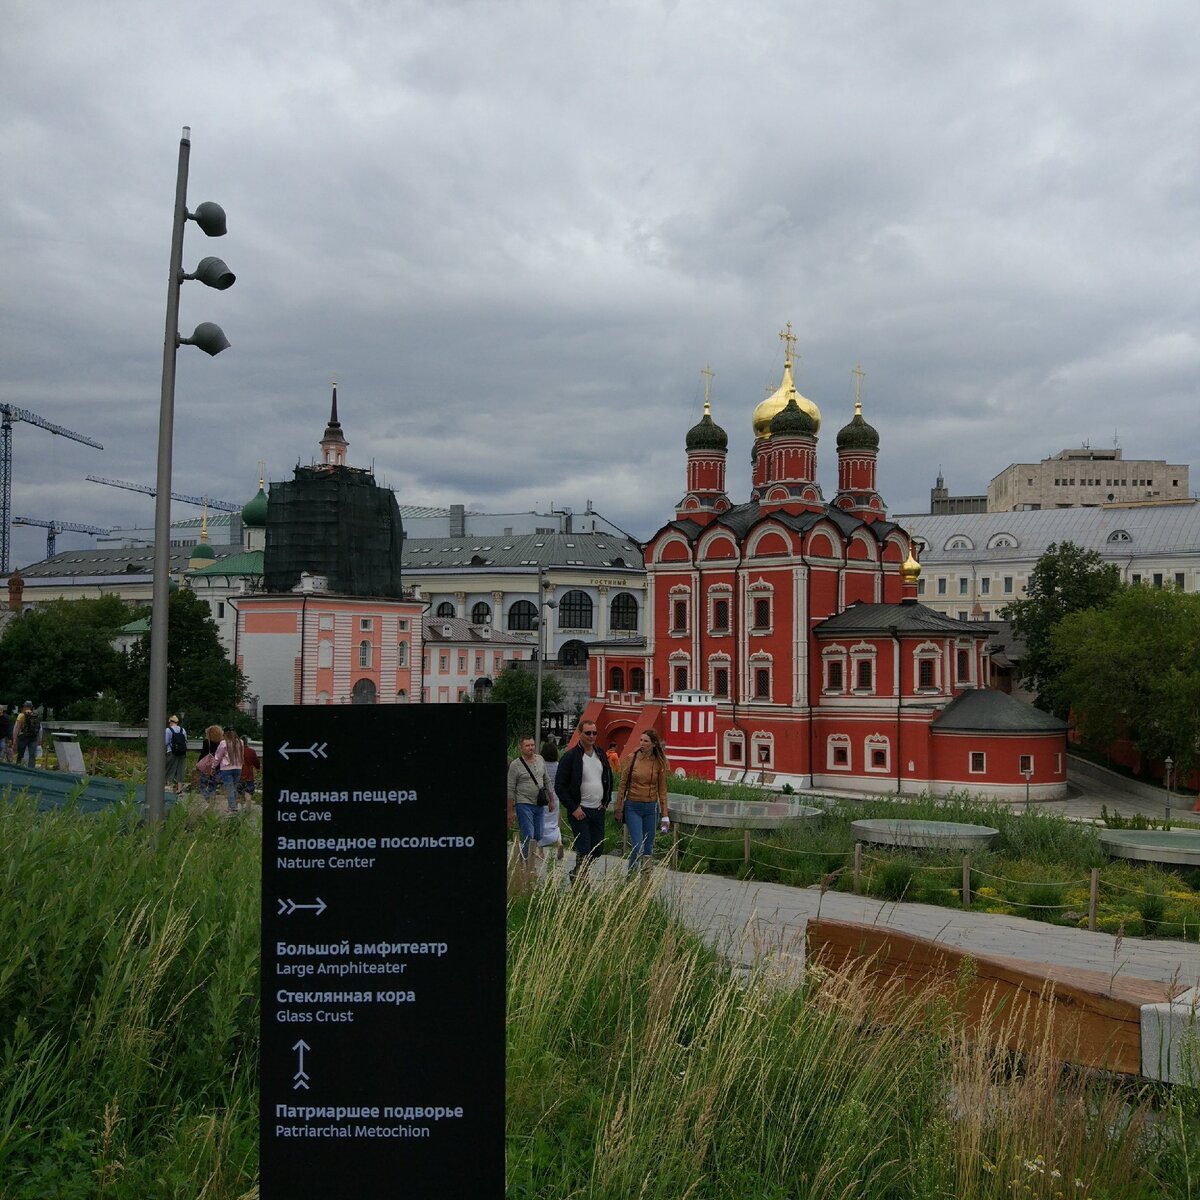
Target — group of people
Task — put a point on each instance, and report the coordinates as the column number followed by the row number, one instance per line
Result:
column 19, row 739
column 582, row 781
column 226, row 760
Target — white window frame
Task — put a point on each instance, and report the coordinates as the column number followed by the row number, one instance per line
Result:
column 838, row 741
column 927, row 652
column 864, row 652
column 831, row 654
column 873, row 742
column 366, row 624
column 760, row 660
column 734, row 737
column 971, row 756
column 366, row 655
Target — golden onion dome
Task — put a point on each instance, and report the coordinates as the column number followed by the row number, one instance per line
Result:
column 910, row 569
column 774, row 404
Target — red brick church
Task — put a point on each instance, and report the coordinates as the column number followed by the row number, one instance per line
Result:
column 785, row 643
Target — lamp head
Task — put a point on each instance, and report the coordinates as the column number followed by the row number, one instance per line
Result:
column 211, row 218
column 213, row 273
column 208, row 337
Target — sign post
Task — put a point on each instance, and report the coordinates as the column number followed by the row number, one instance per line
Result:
column 383, row 943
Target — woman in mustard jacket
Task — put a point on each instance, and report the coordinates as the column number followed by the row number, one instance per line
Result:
column 642, row 800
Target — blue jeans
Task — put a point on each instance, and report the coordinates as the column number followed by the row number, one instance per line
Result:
column 529, row 822
column 641, row 819
column 228, row 779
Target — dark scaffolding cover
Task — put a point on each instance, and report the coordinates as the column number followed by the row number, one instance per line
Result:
column 337, row 522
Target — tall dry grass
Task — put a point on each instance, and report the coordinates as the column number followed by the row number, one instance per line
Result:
column 640, row 1066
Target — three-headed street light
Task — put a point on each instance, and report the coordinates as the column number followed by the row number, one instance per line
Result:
column 210, row 338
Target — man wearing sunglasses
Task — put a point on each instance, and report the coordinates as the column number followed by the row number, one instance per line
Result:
column 584, row 786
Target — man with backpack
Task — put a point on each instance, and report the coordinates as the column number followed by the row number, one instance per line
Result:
column 177, row 748
column 27, row 732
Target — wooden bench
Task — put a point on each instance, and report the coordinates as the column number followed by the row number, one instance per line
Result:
column 1094, row 1017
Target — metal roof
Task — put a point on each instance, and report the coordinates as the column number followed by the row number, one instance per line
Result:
column 986, row 710
column 523, row 550
column 136, row 560
column 906, row 617
column 1116, row 533
column 461, row 630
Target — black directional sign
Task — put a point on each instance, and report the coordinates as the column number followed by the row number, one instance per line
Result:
column 383, row 941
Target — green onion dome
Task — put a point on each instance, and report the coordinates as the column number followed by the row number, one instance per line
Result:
column 706, row 434
column 792, row 421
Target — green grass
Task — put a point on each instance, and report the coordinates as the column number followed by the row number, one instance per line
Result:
column 640, row 1067
column 638, row 1064
column 128, row 1007
column 1040, row 866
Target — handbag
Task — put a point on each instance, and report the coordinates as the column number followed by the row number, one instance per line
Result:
column 543, row 792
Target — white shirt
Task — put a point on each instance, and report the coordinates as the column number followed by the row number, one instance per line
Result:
column 591, row 786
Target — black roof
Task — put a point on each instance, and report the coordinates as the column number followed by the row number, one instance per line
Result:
column 743, row 517
column 986, row 710
column 909, row 616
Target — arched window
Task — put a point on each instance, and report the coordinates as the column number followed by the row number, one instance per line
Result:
column 446, row 609
column 573, row 653
column 363, row 692
column 364, row 654
column 623, row 612
column 522, row 615
column 481, row 613
column 637, row 679
column 402, row 696
column 575, row 611
column 616, row 680
column 402, row 654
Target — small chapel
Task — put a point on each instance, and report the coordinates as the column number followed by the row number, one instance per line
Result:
column 785, row 643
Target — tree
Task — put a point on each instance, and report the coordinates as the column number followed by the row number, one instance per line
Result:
column 1066, row 579
column 202, row 684
column 1132, row 668
column 517, row 689
column 62, row 652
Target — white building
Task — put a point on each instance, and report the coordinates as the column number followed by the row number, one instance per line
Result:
column 972, row 564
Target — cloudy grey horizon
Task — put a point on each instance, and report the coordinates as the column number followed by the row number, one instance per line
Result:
column 516, row 233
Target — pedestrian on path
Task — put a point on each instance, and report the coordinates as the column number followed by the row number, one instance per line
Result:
column 177, row 749
column 229, row 765
column 26, row 734
column 642, row 800
column 529, row 793
column 584, row 785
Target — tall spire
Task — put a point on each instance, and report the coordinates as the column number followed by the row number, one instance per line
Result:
column 333, row 444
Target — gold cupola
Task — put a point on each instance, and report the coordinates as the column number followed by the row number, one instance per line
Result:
column 910, row 569
column 775, row 403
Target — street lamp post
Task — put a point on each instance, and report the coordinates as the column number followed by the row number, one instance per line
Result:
column 1169, row 764
column 541, row 649
column 764, row 753
column 1028, row 773
column 212, row 272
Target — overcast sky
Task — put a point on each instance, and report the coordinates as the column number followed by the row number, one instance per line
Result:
column 516, row 232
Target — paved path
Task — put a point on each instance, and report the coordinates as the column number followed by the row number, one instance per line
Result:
column 745, row 921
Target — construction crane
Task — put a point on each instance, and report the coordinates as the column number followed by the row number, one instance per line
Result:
column 54, row 528
column 202, row 501
column 9, row 414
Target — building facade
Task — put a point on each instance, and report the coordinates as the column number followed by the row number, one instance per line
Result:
column 973, row 564
column 462, row 661
column 1086, row 477
column 791, row 626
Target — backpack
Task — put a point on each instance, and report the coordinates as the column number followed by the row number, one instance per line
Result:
column 31, row 726
column 178, row 743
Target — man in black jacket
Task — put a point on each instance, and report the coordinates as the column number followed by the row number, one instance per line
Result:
column 584, row 785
